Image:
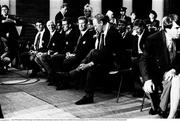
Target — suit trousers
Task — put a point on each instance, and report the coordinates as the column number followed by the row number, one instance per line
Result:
column 165, row 96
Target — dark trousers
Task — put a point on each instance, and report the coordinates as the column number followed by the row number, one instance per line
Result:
column 1, row 114
column 136, row 75
column 95, row 73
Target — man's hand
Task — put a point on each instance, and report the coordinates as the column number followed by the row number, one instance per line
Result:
column 83, row 66
column 149, row 86
column 68, row 55
column 169, row 74
column 39, row 54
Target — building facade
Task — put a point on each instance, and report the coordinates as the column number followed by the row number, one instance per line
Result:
column 47, row 9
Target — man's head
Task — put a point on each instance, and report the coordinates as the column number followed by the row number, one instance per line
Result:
column 121, row 26
column 110, row 14
column 139, row 26
column 39, row 25
column 171, row 25
column 66, row 24
column 58, row 25
column 4, row 10
column 123, row 11
column 51, row 26
column 99, row 21
column 64, row 8
column 82, row 23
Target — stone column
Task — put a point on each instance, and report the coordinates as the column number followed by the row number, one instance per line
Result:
column 128, row 5
column 158, row 6
column 54, row 8
column 96, row 5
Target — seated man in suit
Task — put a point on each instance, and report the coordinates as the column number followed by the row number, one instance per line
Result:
column 69, row 37
column 98, row 62
column 140, row 34
column 54, row 46
column 159, row 67
column 39, row 45
column 69, row 61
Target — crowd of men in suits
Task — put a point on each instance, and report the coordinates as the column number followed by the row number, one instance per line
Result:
column 65, row 51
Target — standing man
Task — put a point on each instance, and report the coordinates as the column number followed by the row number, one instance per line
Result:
column 160, row 67
column 61, row 14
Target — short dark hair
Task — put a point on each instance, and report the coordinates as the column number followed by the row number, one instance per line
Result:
column 83, row 18
column 101, row 17
column 64, row 5
column 68, row 19
column 5, row 6
column 139, row 23
column 168, row 21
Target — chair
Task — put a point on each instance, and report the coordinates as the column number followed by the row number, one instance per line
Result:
column 145, row 95
column 122, row 65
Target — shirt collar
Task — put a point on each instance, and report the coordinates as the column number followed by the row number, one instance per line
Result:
column 83, row 32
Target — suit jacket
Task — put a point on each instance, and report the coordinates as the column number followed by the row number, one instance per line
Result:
column 58, row 17
column 142, row 43
column 70, row 40
column 45, row 40
column 105, row 54
column 155, row 60
column 55, row 43
column 85, row 44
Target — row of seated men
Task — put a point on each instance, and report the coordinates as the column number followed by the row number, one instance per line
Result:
column 62, row 49
column 92, row 57
column 70, row 51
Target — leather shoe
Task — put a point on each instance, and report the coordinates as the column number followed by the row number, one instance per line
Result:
column 163, row 114
column 153, row 111
column 85, row 100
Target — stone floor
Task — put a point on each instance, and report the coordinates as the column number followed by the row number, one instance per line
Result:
column 24, row 98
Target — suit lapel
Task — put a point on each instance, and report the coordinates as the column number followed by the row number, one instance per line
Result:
column 166, row 53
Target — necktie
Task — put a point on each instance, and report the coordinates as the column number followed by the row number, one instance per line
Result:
column 172, row 50
column 101, row 43
column 77, row 45
column 38, row 41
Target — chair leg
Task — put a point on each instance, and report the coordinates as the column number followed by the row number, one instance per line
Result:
column 143, row 101
column 119, row 88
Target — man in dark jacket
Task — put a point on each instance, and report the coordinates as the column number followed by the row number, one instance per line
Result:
column 160, row 67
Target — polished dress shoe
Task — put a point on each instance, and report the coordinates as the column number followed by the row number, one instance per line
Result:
column 154, row 111
column 163, row 114
column 85, row 100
